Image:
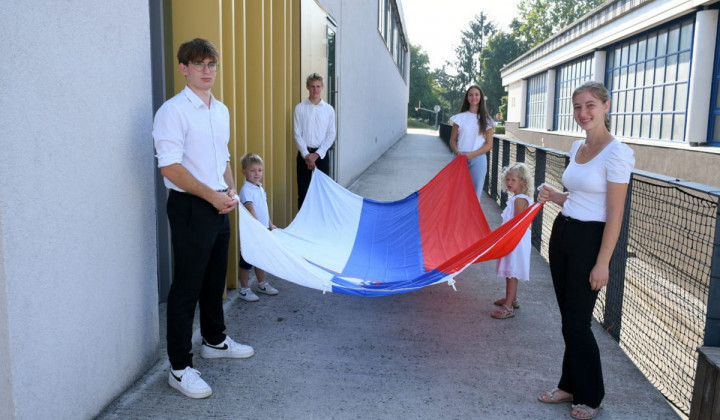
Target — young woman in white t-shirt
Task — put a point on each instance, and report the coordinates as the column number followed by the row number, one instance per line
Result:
column 582, row 241
column 472, row 135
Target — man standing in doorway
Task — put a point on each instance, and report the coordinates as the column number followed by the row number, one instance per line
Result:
column 191, row 133
column 314, row 128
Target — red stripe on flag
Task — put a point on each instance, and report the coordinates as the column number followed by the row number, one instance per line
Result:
column 451, row 219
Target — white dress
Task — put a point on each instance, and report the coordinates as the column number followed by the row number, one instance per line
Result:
column 517, row 263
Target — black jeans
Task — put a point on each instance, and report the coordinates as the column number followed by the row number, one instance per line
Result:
column 573, row 251
column 304, row 175
column 200, row 240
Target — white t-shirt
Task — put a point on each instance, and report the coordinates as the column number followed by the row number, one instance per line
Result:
column 469, row 137
column 587, row 182
column 255, row 194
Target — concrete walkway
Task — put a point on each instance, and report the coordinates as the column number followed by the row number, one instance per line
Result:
column 430, row 354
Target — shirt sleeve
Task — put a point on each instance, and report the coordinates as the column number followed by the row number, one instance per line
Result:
column 490, row 124
column 620, row 163
column 168, row 136
column 298, row 130
column 575, row 146
column 330, row 132
column 244, row 196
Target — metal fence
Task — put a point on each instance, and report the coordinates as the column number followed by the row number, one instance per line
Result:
column 663, row 274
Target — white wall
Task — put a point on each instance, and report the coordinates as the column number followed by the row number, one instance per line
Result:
column 78, row 282
column 372, row 95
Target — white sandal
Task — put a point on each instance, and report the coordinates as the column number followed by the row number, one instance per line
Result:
column 584, row 412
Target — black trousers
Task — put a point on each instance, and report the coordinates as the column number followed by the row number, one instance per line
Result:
column 200, row 240
column 304, row 175
column 573, row 251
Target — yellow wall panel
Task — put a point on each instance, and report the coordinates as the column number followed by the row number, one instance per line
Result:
column 255, row 83
column 196, row 19
column 295, row 81
column 258, row 80
column 228, row 89
column 278, row 107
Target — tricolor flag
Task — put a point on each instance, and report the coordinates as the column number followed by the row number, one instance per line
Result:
column 345, row 243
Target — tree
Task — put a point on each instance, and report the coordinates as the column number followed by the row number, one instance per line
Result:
column 539, row 19
column 424, row 90
column 471, row 45
column 501, row 49
column 467, row 70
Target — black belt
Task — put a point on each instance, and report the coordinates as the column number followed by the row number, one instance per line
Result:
column 187, row 193
column 568, row 219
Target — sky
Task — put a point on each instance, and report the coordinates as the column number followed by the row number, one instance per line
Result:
column 436, row 25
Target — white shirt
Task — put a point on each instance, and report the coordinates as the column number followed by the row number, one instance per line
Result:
column 187, row 132
column 255, row 194
column 587, row 182
column 314, row 126
column 469, row 136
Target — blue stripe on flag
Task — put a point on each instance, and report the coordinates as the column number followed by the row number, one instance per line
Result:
column 387, row 245
column 368, row 288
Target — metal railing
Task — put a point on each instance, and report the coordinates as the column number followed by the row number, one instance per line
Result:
column 663, row 298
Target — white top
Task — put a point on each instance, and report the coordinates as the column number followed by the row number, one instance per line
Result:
column 314, row 126
column 255, row 194
column 517, row 263
column 188, row 132
column 587, row 182
column 469, row 136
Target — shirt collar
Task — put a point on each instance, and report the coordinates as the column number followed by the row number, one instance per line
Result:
column 194, row 99
column 317, row 104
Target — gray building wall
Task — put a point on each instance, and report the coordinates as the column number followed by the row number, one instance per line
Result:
column 372, row 93
column 78, row 282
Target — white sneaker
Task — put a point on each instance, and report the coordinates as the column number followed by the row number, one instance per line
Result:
column 189, row 383
column 227, row 348
column 266, row 288
column 248, row 295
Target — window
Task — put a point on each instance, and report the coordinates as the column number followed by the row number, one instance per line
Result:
column 714, row 126
column 569, row 77
column 536, row 101
column 647, row 77
column 391, row 30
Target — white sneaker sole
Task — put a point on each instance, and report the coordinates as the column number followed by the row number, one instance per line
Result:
column 197, row 395
column 210, row 353
column 266, row 292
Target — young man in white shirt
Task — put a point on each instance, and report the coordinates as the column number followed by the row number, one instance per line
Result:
column 191, row 132
column 314, row 132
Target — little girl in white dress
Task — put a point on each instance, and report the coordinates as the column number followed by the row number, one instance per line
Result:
column 516, row 265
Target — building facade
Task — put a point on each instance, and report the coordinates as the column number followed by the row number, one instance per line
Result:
column 658, row 59
column 78, row 270
column 84, row 242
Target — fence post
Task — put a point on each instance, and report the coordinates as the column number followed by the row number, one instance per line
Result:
column 537, row 224
column 493, row 185
column 614, row 292
column 520, row 152
column 505, row 163
column 712, row 317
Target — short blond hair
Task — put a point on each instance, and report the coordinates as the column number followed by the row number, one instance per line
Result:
column 523, row 173
column 313, row 77
column 250, row 158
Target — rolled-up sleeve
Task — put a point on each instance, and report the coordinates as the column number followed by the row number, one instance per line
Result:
column 168, row 136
